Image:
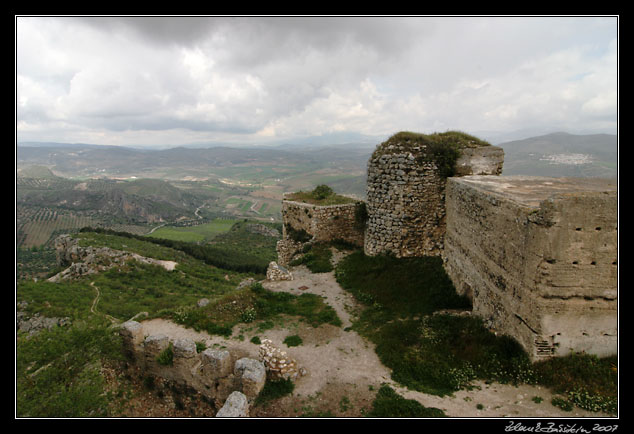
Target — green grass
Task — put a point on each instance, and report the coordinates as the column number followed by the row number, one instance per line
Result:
column 320, row 195
column 403, row 287
column 388, row 403
column 262, row 306
column 293, row 341
column 58, row 371
column 317, row 259
column 442, row 353
column 203, row 232
column 133, row 288
column 586, row 380
column 274, row 389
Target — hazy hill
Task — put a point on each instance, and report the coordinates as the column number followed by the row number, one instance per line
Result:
column 556, row 154
column 562, row 154
column 142, row 201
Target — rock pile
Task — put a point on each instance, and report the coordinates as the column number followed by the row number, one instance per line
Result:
column 261, row 229
column 277, row 272
column 278, row 364
column 33, row 324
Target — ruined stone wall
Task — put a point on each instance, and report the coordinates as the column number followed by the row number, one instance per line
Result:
column 320, row 222
column 538, row 258
column 406, row 197
column 214, row 373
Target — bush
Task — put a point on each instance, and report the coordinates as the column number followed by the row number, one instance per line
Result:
column 166, row 357
column 293, row 341
column 274, row 389
column 322, row 191
column 388, row 403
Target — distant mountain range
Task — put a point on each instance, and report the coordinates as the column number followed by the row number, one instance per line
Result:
column 556, row 154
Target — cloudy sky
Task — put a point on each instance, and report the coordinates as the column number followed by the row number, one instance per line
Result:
column 157, row 81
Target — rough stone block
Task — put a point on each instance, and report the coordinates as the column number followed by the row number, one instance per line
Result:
column 538, row 256
column 216, row 363
column 252, row 374
column 236, row 405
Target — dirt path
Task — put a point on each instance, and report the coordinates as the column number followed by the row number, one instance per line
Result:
column 93, row 308
column 344, row 372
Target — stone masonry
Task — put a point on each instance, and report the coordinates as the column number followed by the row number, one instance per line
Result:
column 320, row 222
column 214, row 373
column 406, row 197
column 538, row 257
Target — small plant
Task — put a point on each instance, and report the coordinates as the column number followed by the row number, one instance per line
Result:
column 166, row 357
column 256, row 340
column 200, row 346
column 293, row 341
column 562, row 403
column 537, row 399
column 360, row 215
column 583, row 399
column 344, row 404
column 248, row 315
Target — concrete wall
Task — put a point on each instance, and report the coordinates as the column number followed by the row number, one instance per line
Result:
column 538, row 258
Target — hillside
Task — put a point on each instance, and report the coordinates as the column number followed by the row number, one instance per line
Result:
column 562, row 155
column 71, row 363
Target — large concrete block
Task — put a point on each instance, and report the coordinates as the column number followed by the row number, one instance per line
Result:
column 538, row 258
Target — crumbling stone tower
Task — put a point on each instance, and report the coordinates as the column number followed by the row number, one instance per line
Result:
column 406, row 188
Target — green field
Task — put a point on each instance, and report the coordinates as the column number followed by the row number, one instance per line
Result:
column 194, row 234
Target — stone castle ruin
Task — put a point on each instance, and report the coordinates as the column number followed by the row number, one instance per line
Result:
column 537, row 256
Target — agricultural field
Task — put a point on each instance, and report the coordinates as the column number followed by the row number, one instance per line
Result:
column 35, row 227
column 198, row 233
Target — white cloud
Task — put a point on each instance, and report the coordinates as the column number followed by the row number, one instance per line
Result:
column 153, row 80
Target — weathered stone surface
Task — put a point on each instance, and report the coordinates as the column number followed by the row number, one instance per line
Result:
column 211, row 372
column 252, row 374
column 184, row 348
column 236, row 405
column 216, row 363
column 485, row 160
column 35, row 323
column 318, row 223
column 538, row 258
column 81, row 261
column 406, row 197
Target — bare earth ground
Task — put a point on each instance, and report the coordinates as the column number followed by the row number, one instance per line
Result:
column 344, row 372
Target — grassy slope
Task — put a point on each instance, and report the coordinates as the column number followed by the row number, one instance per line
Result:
column 440, row 353
column 59, row 372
